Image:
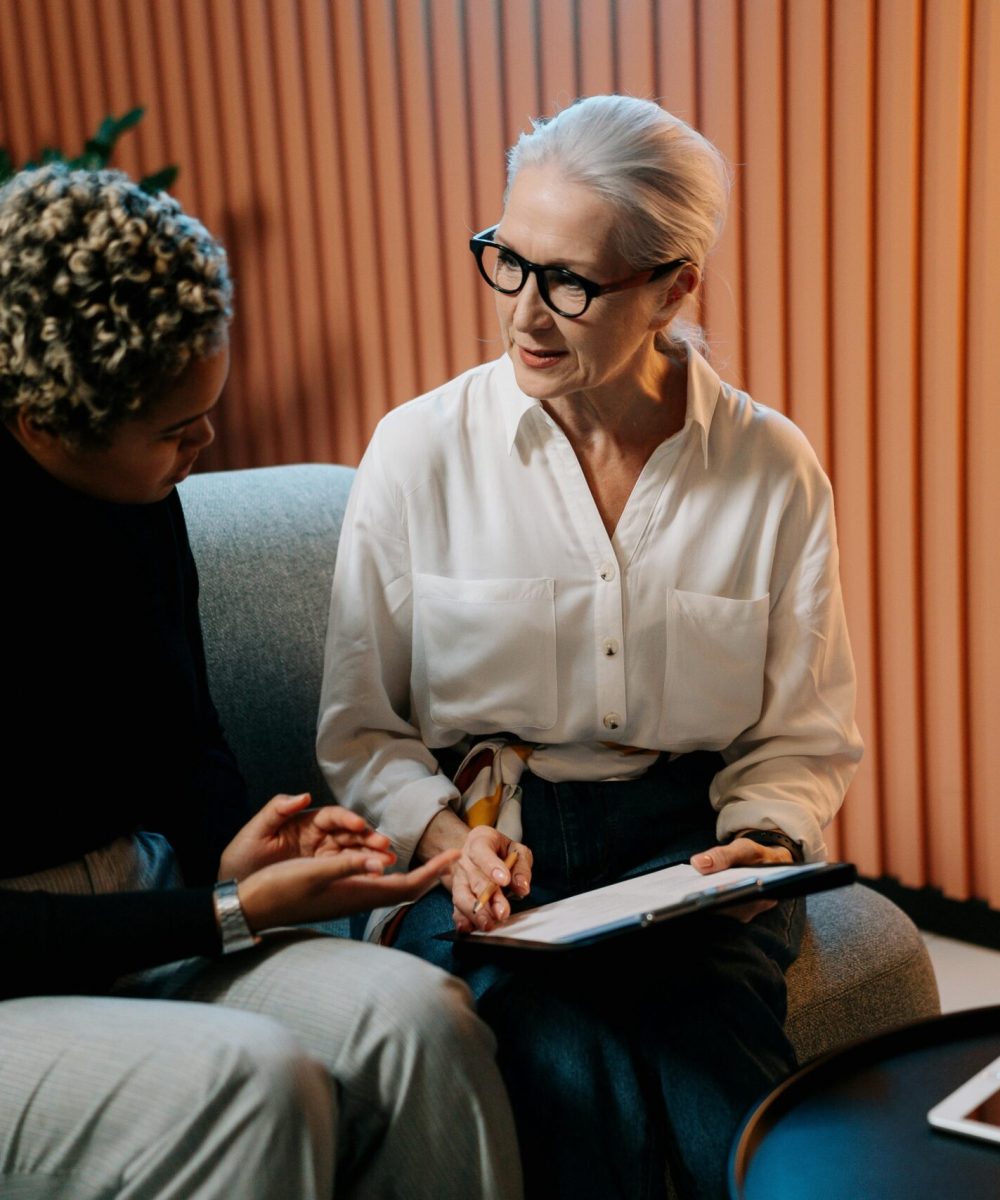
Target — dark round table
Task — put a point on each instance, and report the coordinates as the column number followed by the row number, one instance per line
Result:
column 853, row 1124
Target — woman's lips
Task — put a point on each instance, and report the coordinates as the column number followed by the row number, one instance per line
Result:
column 184, row 472
column 539, row 358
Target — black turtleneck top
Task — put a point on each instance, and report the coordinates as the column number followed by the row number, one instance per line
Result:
column 109, row 727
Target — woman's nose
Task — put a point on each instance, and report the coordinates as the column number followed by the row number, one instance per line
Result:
column 201, row 433
column 530, row 310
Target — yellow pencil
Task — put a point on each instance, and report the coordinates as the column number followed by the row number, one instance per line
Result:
column 487, row 893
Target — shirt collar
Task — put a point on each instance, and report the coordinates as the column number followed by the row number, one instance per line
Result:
column 702, row 396
column 515, row 403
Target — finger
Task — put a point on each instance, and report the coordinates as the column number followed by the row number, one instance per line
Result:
column 416, row 883
column 521, row 874
column 334, row 819
column 461, row 922
column 463, row 895
column 332, row 849
column 499, row 907
column 270, row 818
column 709, row 861
column 348, row 862
column 741, row 852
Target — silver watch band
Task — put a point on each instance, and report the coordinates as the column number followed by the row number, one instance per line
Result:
column 233, row 927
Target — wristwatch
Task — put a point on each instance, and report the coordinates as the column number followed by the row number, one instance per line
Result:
column 772, row 837
column 233, row 928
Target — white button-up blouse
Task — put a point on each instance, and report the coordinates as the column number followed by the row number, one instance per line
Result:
column 477, row 590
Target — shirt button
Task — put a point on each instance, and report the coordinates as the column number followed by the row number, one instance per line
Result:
column 610, row 647
column 612, row 720
column 607, row 572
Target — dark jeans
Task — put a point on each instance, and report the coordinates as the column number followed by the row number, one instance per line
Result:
column 643, row 1050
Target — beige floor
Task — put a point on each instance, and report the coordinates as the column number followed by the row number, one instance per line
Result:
column 968, row 976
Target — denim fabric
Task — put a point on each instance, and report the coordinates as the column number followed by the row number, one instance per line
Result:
column 645, row 1050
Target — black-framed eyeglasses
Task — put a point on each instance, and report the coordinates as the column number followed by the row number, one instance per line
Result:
column 565, row 292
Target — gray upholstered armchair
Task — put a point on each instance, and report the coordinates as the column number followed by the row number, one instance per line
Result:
column 266, row 540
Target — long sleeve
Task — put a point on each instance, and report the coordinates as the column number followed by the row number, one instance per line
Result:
column 478, row 591
column 53, row 943
column 790, row 769
column 372, row 754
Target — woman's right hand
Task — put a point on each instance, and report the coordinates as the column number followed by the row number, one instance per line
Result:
column 479, row 862
column 481, row 865
column 333, row 885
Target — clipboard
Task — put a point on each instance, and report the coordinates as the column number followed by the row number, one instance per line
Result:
column 650, row 901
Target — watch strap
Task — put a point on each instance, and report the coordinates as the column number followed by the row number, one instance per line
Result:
column 233, row 928
column 773, row 837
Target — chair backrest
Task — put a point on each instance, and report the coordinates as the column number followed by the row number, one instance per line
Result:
column 265, row 541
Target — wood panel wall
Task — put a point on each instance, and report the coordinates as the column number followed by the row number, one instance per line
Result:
column 345, row 149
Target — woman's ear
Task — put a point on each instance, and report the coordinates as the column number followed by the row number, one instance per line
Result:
column 29, row 432
column 680, row 287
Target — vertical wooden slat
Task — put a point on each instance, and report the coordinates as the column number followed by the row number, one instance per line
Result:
column 635, row 49
column 521, row 69
column 344, row 149
column 763, row 152
column 451, row 92
column 852, row 348
column 676, row 86
column 806, row 191
column 982, row 444
column 489, row 140
column 425, row 224
column 20, row 135
column 558, row 54
column 244, row 422
column 356, row 138
column 719, row 102
column 897, row 491
column 62, row 75
column 596, row 54
column 942, row 416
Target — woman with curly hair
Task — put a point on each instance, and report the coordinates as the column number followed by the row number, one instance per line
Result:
column 124, row 807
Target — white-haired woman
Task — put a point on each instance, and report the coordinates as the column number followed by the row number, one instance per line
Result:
column 304, row 1055
column 623, row 570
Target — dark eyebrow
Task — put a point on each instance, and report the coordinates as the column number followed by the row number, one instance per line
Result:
column 556, row 266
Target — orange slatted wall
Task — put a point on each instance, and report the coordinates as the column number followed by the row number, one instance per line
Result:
column 344, row 149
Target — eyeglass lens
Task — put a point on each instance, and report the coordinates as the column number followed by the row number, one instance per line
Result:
column 507, row 274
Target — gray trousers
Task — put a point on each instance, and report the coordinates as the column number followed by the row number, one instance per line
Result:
column 307, row 1066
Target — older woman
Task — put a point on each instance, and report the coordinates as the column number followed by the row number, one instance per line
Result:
column 119, row 787
column 626, row 569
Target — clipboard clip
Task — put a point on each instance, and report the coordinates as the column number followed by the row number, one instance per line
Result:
column 705, row 898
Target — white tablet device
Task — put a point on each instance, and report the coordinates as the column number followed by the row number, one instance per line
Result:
column 974, row 1108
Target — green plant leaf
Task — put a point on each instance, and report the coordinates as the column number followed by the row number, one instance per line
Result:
column 106, row 131
column 160, row 181
column 132, row 117
column 96, row 153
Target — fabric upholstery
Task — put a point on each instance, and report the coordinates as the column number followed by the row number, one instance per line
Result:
column 265, row 541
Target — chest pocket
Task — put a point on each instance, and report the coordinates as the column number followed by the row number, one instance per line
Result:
column 714, row 685
column 487, row 649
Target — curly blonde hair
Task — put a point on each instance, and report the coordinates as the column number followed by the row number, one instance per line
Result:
column 106, row 294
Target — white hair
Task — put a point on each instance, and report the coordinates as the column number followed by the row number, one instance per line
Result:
column 670, row 184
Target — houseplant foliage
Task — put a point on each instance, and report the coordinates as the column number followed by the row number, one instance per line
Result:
column 97, row 151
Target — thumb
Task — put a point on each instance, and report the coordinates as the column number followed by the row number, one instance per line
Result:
column 277, row 810
column 718, row 858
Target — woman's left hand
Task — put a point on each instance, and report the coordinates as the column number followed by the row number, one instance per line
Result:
column 741, row 852
column 287, row 828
